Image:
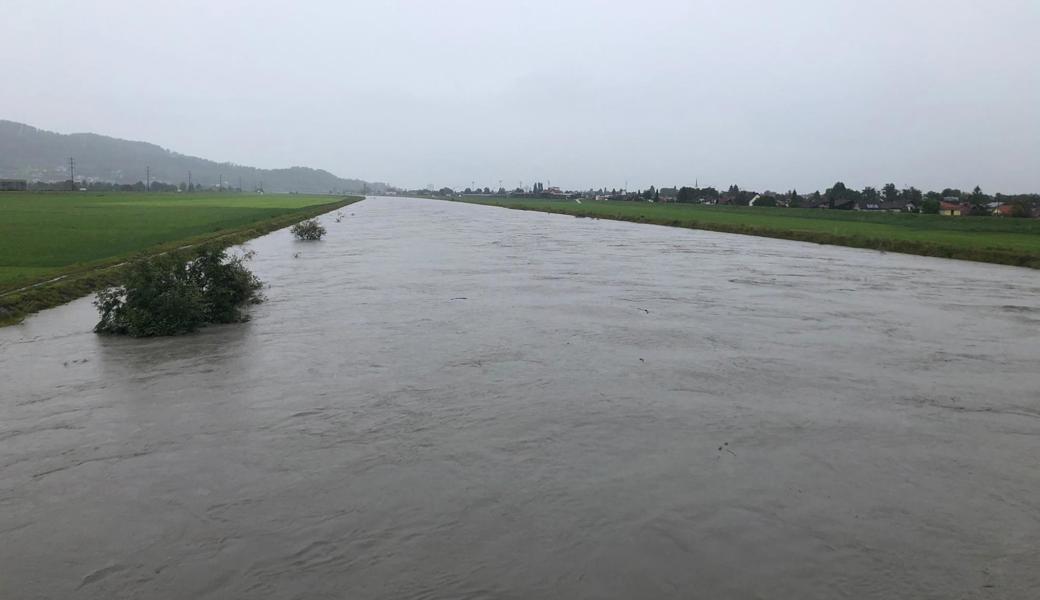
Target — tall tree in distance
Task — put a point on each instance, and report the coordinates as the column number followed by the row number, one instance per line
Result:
column 890, row 193
column 912, row 195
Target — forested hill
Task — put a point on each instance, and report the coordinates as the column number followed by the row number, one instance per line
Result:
column 37, row 155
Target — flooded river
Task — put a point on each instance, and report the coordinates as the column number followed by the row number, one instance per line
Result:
column 453, row 401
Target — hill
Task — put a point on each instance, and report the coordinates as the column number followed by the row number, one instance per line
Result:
column 37, row 155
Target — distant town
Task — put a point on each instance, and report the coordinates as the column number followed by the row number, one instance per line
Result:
column 888, row 198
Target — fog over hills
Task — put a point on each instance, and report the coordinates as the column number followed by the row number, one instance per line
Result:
column 38, row 155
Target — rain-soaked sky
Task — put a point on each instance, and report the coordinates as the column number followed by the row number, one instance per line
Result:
column 767, row 94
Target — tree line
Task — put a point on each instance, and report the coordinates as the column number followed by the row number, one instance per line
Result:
column 839, row 196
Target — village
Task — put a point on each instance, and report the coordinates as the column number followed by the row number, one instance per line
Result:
column 949, row 202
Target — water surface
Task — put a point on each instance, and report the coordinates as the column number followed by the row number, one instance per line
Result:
column 455, row 401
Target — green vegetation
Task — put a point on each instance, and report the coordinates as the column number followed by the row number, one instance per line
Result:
column 309, row 230
column 176, row 293
column 84, row 238
column 996, row 240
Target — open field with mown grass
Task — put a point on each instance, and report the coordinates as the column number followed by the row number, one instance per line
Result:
column 79, row 236
column 986, row 239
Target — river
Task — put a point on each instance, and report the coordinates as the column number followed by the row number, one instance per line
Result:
column 444, row 400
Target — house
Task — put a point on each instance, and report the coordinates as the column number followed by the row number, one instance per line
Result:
column 813, row 201
column 13, row 185
column 897, row 206
column 842, row 203
column 1004, row 210
column 949, row 209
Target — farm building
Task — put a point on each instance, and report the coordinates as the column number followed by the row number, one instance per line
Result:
column 13, row 185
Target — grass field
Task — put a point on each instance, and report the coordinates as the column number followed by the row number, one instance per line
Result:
column 47, row 235
column 987, row 239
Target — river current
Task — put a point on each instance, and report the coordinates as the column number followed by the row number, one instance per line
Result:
column 444, row 400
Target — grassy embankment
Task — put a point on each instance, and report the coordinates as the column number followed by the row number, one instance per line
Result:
column 986, row 239
column 80, row 239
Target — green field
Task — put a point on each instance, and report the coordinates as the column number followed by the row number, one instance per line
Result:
column 988, row 239
column 46, row 235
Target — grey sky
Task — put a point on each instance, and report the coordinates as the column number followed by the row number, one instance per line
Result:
column 765, row 94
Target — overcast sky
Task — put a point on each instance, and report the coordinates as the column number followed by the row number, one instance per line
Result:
column 765, row 94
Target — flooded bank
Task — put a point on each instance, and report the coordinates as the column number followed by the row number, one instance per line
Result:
column 455, row 401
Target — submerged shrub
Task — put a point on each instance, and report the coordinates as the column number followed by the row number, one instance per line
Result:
column 174, row 294
column 308, row 230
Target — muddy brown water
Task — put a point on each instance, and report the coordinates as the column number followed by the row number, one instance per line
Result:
column 452, row 401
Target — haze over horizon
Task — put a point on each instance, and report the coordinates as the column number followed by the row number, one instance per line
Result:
column 767, row 95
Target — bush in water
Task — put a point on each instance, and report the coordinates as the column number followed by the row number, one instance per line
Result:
column 174, row 294
column 308, row 230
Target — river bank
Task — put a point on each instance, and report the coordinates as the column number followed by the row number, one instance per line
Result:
column 995, row 240
column 170, row 223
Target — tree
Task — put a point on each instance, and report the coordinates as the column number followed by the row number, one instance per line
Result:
column 870, row 195
column 930, row 206
column 839, row 196
column 173, row 293
column 912, row 195
column 890, row 192
column 1021, row 208
column 978, row 202
column 309, row 230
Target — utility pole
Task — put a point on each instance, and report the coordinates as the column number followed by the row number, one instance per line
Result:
column 147, row 179
column 239, row 183
column 72, row 172
column 189, row 181
column 220, row 182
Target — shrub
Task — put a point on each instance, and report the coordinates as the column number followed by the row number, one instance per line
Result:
column 174, row 294
column 309, row 230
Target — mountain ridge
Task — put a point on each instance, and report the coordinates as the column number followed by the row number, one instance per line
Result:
column 28, row 152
